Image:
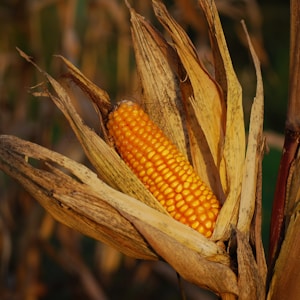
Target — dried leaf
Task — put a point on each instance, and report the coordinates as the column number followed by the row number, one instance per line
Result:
column 110, row 167
column 87, row 204
column 161, row 96
column 203, row 113
column 189, row 264
column 207, row 101
column 98, row 96
column 285, row 280
column 232, row 164
column 70, row 200
column 254, row 150
column 293, row 190
column 249, row 281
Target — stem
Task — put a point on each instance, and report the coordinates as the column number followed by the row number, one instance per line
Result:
column 292, row 137
column 277, row 222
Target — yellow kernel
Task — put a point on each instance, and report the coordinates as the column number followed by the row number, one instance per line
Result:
column 158, row 179
column 167, row 191
column 150, row 154
column 202, row 217
column 164, row 187
column 172, row 178
column 189, row 212
column 174, row 184
column 186, row 185
column 154, row 191
column 167, row 175
column 165, row 152
column 170, row 202
column 172, row 163
column 208, row 233
column 158, row 162
column 179, row 188
column 160, row 149
column 150, row 171
column 161, row 167
column 185, row 193
column 148, row 164
column 192, row 218
column 195, row 203
column 142, row 173
column 170, row 208
column 193, row 186
column 195, row 224
column 210, row 215
column 183, row 208
column 160, row 198
column 206, row 204
column 201, row 229
column 180, row 203
column 189, row 198
column 171, row 195
column 208, row 224
column 178, row 197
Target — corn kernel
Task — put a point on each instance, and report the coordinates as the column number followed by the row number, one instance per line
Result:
column 162, row 168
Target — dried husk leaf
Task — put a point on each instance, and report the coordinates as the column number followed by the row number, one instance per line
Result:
column 293, row 190
column 234, row 141
column 98, row 96
column 190, row 265
column 207, row 102
column 285, row 280
column 251, row 285
column 161, row 95
column 87, row 204
column 110, row 167
column 254, row 151
column 251, row 199
column 60, row 195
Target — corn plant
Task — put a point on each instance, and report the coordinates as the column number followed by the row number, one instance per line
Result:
column 191, row 163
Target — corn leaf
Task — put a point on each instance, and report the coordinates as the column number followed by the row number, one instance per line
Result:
column 254, row 151
column 207, row 101
column 69, row 199
column 203, row 104
column 161, row 95
column 251, row 285
column 232, row 164
column 76, row 197
column 110, row 167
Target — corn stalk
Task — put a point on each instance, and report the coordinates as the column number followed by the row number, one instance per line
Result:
column 285, row 227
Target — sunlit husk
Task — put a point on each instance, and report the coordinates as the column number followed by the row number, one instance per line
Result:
column 110, row 167
column 70, row 200
column 161, row 97
column 254, row 152
column 87, row 204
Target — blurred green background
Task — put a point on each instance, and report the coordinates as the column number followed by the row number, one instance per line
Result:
column 41, row 259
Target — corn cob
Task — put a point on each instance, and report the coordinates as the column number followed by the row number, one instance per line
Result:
column 162, row 168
